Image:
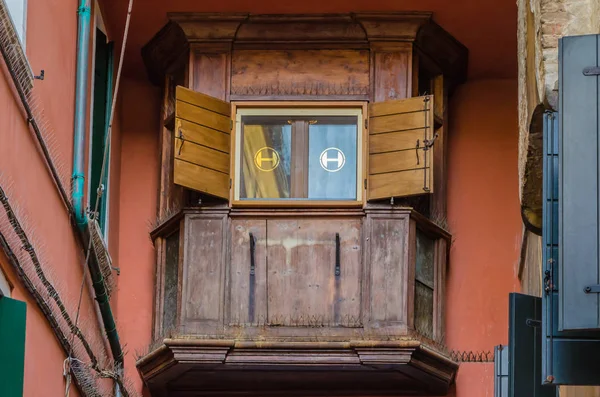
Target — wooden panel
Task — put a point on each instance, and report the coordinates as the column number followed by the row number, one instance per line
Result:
column 202, row 116
column 302, row 286
column 388, row 251
column 248, row 294
column 202, row 126
column 395, row 141
column 202, row 155
column 210, row 73
column 201, row 179
column 396, row 130
column 394, row 161
column 392, row 72
column 300, row 72
column 203, row 136
column 203, row 265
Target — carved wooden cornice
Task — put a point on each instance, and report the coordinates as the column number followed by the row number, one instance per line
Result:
column 354, row 367
column 210, row 32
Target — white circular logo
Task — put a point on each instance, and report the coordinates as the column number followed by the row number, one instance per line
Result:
column 332, row 159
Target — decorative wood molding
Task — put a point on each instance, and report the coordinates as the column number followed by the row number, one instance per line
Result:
column 440, row 51
column 353, row 367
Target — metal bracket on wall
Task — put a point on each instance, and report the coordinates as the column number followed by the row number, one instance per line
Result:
column 41, row 75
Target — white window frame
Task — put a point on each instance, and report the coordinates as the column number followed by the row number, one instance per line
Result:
column 352, row 109
column 4, row 285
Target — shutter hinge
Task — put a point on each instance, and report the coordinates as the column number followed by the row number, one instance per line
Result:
column 230, row 125
column 366, row 124
column 365, row 183
column 230, row 183
column 592, row 289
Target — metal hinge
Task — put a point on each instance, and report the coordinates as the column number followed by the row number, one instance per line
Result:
column 230, row 183
column 365, row 183
column 230, row 124
column 366, row 124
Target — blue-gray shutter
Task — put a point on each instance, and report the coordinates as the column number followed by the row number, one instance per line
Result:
column 525, row 348
column 578, row 183
column 568, row 357
column 501, row 371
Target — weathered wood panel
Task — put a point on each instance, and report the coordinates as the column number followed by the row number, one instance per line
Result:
column 392, row 74
column 247, row 292
column 389, row 273
column 210, row 73
column 302, row 286
column 203, row 275
column 300, row 72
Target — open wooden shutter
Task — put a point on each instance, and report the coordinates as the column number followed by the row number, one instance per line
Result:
column 202, row 140
column 401, row 134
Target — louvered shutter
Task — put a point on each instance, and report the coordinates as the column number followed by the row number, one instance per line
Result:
column 12, row 346
column 579, row 147
column 400, row 160
column 568, row 357
column 202, row 140
column 525, row 348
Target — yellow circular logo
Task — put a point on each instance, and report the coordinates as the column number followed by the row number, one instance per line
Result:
column 266, row 159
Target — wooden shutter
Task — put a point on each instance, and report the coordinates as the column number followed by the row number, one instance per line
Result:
column 400, row 163
column 579, row 147
column 525, row 348
column 202, row 140
column 12, row 346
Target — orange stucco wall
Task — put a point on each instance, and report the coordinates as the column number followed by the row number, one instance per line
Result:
column 50, row 45
column 483, row 217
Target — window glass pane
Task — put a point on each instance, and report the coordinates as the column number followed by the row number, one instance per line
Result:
column 17, row 10
column 266, row 158
column 425, row 259
column 424, row 309
column 332, row 156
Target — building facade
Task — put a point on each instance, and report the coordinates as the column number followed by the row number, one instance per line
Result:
column 310, row 199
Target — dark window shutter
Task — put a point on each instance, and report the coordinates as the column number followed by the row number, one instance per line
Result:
column 501, row 371
column 525, row 348
column 12, row 346
column 568, row 357
column 579, row 146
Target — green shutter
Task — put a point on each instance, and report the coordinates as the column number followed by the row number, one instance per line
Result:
column 525, row 348
column 103, row 76
column 12, row 346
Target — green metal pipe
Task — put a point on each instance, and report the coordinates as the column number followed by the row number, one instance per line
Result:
column 83, row 50
column 81, row 219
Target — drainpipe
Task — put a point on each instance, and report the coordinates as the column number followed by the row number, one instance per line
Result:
column 81, row 220
column 83, row 49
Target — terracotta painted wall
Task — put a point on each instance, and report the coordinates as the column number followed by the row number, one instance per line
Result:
column 50, row 45
column 483, row 217
column 138, row 203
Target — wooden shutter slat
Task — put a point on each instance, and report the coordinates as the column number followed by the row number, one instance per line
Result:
column 393, row 161
column 397, row 133
column 202, row 116
column 203, row 101
column 397, row 122
column 202, row 143
column 389, row 184
column 394, row 141
column 202, row 179
column 203, row 136
column 202, row 155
